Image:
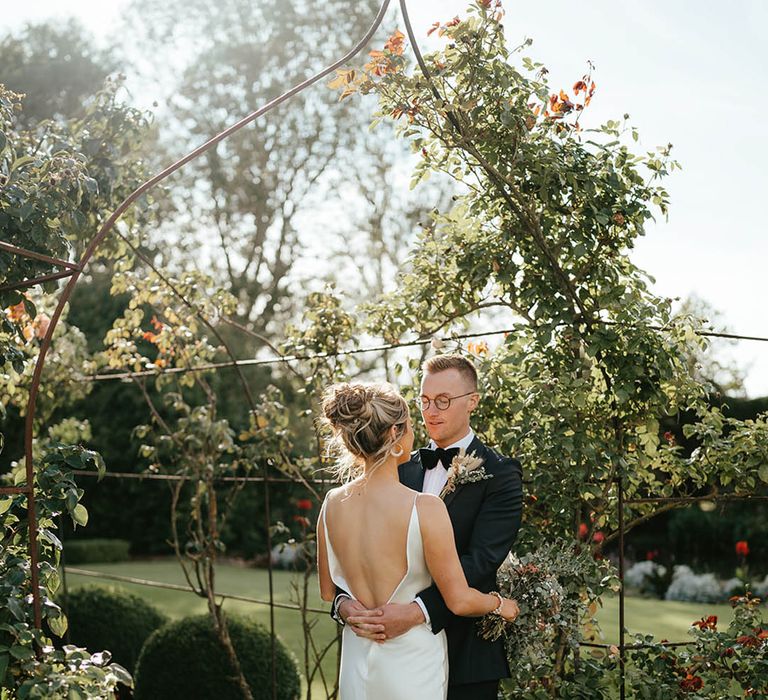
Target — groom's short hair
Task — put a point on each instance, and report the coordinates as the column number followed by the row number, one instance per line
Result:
column 440, row 363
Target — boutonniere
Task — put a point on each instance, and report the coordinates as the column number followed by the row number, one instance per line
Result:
column 465, row 469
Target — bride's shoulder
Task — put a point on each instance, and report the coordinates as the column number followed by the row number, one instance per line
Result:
column 333, row 496
column 429, row 505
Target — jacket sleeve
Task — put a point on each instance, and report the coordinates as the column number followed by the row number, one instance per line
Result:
column 334, row 611
column 493, row 534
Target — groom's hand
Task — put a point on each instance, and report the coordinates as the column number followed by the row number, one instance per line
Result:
column 397, row 619
column 363, row 622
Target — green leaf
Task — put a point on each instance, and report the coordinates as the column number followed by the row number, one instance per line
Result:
column 21, row 653
column 27, row 209
column 80, row 515
column 29, row 307
column 16, row 610
column 6, row 504
column 58, row 625
column 122, row 675
column 21, row 161
column 48, row 536
column 762, row 472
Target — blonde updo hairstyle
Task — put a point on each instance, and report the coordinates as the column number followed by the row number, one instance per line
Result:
column 360, row 417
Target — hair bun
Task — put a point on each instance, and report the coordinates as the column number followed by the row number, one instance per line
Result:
column 346, row 404
column 361, row 417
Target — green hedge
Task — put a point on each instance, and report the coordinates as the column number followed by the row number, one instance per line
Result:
column 92, row 551
column 184, row 659
column 109, row 618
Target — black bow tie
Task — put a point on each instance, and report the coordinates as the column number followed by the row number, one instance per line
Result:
column 430, row 458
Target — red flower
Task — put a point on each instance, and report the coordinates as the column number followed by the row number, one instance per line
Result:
column 303, row 521
column 742, row 548
column 304, row 504
column 707, row 623
column 583, row 530
column 669, row 437
column 598, row 537
column 651, row 554
column 748, row 641
column 691, row 683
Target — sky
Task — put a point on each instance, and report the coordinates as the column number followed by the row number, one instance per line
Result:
column 688, row 73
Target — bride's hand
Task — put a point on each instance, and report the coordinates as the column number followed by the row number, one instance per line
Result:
column 509, row 610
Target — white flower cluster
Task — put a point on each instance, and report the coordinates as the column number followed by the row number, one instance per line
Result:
column 696, row 588
column 641, row 574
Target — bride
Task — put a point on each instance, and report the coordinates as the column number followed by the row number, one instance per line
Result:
column 384, row 543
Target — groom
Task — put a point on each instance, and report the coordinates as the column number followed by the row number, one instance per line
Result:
column 485, row 516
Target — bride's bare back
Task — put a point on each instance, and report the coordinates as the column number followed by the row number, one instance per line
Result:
column 367, row 527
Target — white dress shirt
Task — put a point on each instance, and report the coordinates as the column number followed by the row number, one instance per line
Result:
column 434, row 480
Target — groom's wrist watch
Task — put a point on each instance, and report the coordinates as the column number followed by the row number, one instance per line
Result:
column 337, row 601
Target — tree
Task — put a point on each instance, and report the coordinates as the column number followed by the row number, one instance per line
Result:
column 247, row 213
column 713, row 368
column 56, row 66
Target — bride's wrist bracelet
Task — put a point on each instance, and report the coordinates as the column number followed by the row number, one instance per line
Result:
column 497, row 610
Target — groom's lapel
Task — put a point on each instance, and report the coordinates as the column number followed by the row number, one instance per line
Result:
column 478, row 449
column 412, row 473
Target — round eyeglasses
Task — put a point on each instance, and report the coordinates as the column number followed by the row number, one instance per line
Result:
column 442, row 402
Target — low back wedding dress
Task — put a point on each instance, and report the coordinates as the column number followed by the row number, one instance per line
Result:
column 409, row 667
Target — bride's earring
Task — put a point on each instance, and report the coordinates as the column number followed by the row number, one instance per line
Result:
column 399, row 452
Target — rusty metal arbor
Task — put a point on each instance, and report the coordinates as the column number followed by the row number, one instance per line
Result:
column 73, row 271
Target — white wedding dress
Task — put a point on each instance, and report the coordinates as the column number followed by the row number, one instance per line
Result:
column 413, row 666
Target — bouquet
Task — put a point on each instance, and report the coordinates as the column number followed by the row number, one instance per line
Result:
column 539, row 596
column 557, row 588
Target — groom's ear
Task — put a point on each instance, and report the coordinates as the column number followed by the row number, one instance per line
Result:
column 474, row 400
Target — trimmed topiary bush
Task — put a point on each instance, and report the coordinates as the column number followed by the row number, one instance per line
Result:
column 184, row 659
column 96, row 550
column 109, row 618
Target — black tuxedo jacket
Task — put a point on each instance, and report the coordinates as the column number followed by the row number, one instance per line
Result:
column 486, row 517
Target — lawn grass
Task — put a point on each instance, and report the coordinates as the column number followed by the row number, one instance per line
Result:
column 663, row 619
column 232, row 580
